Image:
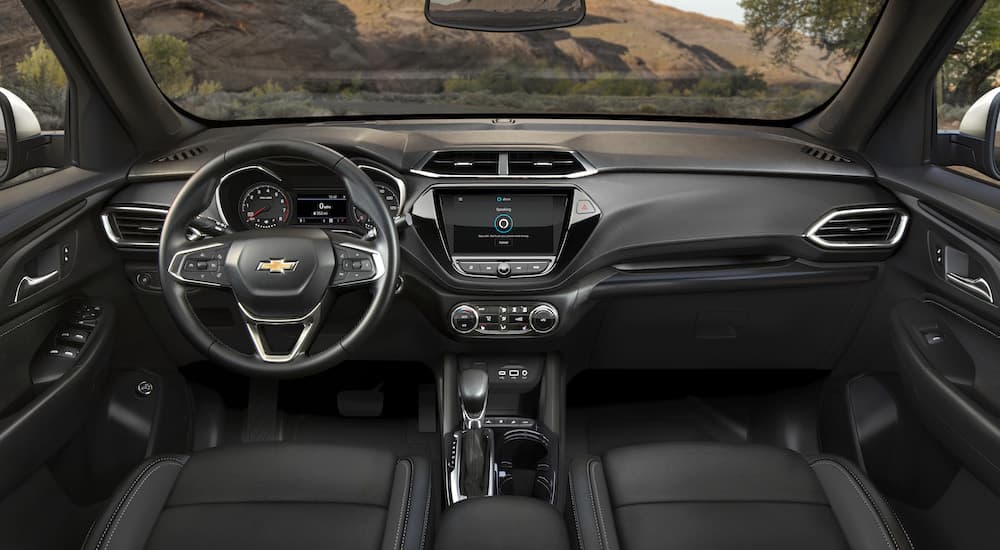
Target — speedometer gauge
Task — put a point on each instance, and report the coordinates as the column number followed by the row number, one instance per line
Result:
column 391, row 198
column 265, row 206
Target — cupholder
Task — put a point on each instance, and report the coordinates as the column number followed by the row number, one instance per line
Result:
column 524, row 465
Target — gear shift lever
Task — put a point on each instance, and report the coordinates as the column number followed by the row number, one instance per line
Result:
column 473, row 389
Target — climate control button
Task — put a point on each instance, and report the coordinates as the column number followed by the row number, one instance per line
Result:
column 464, row 319
column 543, row 319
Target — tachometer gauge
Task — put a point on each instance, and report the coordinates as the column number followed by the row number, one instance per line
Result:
column 265, row 206
column 391, row 197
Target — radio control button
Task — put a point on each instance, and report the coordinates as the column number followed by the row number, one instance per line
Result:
column 503, row 269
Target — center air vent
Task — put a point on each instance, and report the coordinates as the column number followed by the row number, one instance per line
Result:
column 878, row 227
column 501, row 163
column 464, row 163
column 542, row 163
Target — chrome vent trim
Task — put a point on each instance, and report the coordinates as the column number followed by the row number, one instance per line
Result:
column 873, row 227
column 183, row 154
column 825, row 155
column 507, row 163
column 138, row 226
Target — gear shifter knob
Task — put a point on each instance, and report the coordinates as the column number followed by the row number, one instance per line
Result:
column 473, row 388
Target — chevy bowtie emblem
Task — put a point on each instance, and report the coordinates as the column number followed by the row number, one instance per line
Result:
column 277, row 266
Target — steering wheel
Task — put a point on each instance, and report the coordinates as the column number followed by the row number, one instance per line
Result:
column 286, row 277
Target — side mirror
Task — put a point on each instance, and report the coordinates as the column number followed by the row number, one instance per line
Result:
column 23, row 144
column 976, row 140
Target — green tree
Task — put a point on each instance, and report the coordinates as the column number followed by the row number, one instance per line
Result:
column 974, row 59
column 169, row 61
column 42, row 81
column 841, row 28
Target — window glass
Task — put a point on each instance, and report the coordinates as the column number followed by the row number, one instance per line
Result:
column 972, row 68
column 28, row 68
column 756, row 59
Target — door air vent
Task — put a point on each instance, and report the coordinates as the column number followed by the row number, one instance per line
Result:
column 464, row 163
column 825, row 155
column 876, row 227
column 138, row 226
column 543, row 163
column 505, row 163
column 183, row 154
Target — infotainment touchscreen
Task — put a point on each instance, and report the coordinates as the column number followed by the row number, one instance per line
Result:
column 512, row 223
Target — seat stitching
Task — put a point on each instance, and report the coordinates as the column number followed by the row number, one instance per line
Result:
column 427, row 515
column 595, row 503
column 135, row 480
column 901, row 526
column 404, row 512
column 875, row 504
column 858, row 488
column 131, row 497
column 576, row 516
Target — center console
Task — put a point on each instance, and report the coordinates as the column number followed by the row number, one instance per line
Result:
column 509, row 452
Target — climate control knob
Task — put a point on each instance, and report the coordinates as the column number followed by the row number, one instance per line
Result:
column 543, row 318
column 464, row 319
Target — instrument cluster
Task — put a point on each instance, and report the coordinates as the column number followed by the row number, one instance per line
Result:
column 286, row 192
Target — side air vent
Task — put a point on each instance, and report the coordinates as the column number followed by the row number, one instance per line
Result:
column 464, row 163
column 824, row 155
column 134, row 226
column 505, row 163
column 139, row 226
column 183, row 154
column 878, row 227
column 543, row 163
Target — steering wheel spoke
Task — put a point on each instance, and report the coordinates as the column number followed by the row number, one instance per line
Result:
column 308, row 326
column 358, row 263
column 201, row 265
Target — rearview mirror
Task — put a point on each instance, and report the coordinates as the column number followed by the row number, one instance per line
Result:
column 505, row 15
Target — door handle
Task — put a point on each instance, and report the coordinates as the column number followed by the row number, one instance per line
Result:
column 978, row 287
column 30, row 285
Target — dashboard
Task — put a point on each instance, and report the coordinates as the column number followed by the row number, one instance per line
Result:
column 521, row 231
column 276, row 193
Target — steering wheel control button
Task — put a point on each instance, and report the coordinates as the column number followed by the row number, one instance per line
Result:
column 202, row 265
column 543, row 319
column 354, row 266
column 464, row 319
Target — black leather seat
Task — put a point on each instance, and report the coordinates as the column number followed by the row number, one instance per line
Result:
column 270, row 496
column 719, row 496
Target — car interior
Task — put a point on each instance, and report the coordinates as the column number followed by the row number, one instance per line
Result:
column 407, row 274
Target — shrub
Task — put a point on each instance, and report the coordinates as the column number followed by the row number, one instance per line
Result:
column 42, row 81
column 268, row 88
column 169, row 61
column 738, row 83
column 208, row 87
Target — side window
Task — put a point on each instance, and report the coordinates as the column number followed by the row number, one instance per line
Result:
column 972, row 68
column 36, row 86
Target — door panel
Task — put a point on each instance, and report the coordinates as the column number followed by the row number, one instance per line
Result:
column 55, row 341
column 946, row 338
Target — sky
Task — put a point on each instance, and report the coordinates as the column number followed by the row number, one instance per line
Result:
column 723, row 9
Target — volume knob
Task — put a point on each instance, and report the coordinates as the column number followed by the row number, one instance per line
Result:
column 464, row 319
column 543, row 318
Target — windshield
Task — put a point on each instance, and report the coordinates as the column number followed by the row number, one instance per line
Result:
column 756, row 59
